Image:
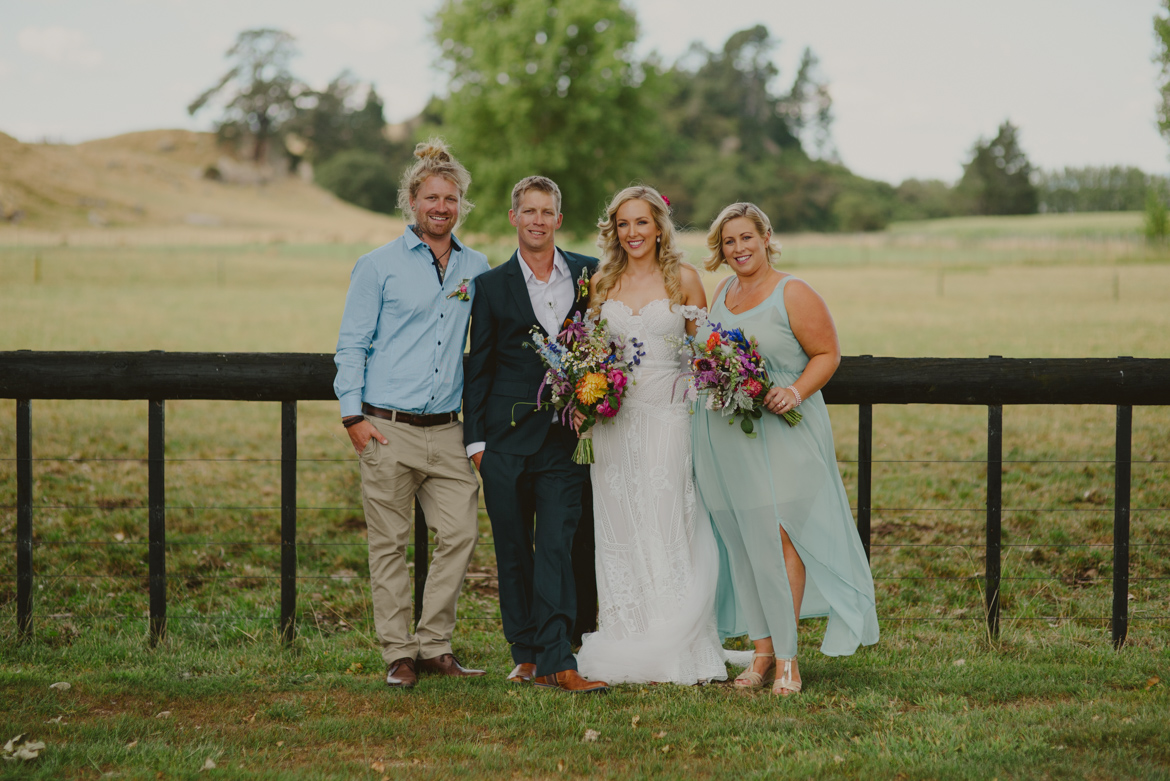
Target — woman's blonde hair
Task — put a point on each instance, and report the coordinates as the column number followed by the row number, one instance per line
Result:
column 614, row 259
column 434, row 159
column 715, row 234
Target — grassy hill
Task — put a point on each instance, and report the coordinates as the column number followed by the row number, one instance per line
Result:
column 153, row 187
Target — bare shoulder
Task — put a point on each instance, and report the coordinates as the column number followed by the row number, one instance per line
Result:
column 723, row 283
column 797, row 290
column 689, row 273
column 694, row 294
column 803, row 302
column 689, row 278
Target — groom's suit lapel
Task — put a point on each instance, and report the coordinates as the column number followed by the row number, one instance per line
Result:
column 519, row 291
column 576, row 268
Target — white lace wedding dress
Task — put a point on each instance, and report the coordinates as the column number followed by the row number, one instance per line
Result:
column 657, row 560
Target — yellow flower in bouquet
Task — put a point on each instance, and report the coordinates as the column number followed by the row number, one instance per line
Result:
column 592, row 387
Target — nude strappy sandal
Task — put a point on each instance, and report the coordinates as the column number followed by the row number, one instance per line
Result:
column 785, row 683
column 750, row 679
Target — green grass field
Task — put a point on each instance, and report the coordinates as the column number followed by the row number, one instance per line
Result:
column 936, row 698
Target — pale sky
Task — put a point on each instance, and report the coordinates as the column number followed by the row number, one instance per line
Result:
column 914, row 82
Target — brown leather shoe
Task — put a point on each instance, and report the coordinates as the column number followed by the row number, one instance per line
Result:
column 400, row 674
column 522, row 673
column 571, row 681
column 447, row 664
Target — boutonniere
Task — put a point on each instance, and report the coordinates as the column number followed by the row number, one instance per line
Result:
column 461, row 292
column 583, row 285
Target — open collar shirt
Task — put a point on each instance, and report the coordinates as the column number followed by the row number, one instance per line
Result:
column 552, row 300
column 403, row 332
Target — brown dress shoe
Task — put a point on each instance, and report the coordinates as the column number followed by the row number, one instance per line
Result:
column 447, row 664
column 522, row 673
column 400, row 674
column 571, row 681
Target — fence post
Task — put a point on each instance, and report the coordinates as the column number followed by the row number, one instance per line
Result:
column 994, row 514
column 24, row 567
column 864, row 472
column 421, row 558
column 1121, row 476
column 288, row 521
column 157, row 501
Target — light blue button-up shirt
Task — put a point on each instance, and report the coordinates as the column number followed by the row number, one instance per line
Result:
column 402, row 334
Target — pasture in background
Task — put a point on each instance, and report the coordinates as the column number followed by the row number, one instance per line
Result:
column 1046, row 286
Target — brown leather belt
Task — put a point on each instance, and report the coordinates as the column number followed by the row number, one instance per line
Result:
column 408, row 418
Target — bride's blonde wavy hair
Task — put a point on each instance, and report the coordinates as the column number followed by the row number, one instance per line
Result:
column 614, row 259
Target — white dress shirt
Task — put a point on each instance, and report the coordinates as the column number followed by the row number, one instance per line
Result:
column 551, row 301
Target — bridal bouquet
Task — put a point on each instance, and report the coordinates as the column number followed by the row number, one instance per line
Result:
column 588, row 370
column 729, row 367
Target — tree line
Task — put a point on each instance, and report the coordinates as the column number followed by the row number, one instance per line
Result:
column 555, row 88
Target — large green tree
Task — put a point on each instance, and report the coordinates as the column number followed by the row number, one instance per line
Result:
column 260, row 89
column 351, row 154
column 544, row 87
column 337, row 118
column 998, row 178
column 732, row 135
column 1162, row 41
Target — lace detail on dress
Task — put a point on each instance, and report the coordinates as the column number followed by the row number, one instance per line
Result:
column 657, row 563
column 696, row 313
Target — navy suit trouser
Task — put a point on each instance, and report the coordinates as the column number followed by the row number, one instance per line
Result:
column 534, row 503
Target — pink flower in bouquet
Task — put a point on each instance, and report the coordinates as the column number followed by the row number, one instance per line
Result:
column 605, row 410
column 617, row 380
column 753, row 387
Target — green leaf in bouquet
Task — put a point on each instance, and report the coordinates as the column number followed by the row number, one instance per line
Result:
column 747, row 426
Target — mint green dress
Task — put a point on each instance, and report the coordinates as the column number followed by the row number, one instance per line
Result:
column 786, row 476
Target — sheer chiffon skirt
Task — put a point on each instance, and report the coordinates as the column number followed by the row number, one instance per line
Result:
column 786, row 477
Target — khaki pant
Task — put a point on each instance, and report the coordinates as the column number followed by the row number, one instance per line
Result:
column 429, row 462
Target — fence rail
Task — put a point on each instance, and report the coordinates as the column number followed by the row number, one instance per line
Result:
column 287, row 378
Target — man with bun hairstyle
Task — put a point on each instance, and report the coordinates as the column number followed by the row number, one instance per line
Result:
column 532, row 489
column 400, row 383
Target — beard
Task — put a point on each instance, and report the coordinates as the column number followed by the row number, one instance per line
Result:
column 436, row 230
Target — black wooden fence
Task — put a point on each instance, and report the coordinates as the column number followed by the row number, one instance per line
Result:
column 289, row 377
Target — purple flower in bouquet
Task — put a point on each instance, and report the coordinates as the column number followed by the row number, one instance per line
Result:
column 574, row 332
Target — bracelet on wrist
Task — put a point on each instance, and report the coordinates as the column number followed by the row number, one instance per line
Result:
column 352, row 420
column 795, row 393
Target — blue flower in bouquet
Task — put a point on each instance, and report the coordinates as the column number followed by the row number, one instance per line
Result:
column 638, row 351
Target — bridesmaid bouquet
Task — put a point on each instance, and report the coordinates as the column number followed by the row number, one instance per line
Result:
column 588, row 370
column 729, row 367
